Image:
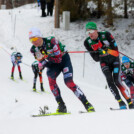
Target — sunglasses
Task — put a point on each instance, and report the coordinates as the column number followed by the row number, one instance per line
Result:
column 90, row 31
column 33, row 39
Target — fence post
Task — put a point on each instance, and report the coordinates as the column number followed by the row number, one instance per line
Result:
column 84, row 66
column 3, row 6
column 66, row 20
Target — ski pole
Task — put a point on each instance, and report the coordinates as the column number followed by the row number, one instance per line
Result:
column 5, row 50
column 126, row 56
column 95, row 52
column 26, row 64
column 82, row 51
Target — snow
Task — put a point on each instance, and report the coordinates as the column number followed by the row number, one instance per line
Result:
column 17, row 100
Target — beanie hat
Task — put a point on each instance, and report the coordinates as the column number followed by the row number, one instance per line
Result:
column 34, row 32
column 91, row 25
column 125, row 59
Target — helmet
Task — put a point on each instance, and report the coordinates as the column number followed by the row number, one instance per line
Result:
column 125, row 59
column 18, row 54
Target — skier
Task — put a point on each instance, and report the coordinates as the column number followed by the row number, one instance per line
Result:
column 56, row 61
column 128, row 74
column 16, row 60
column 103, row 48
column 37, row 72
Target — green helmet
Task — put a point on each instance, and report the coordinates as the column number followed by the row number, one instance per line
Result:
column 91, row 25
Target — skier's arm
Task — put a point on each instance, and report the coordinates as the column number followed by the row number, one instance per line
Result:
column 114, row 49
column 94, row 55
column 13, row 59
column 57, row 55
column 33, row 52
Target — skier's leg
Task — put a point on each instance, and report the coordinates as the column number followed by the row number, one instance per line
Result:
column 52, row 74
column 41, row 81
column 35, row 80
column 12, row 72
column 68, row 79
column 19, row 69
column 108, row 74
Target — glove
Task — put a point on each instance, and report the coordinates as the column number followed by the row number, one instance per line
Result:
column 102, row 51
column 40, row 66
column 113, row 52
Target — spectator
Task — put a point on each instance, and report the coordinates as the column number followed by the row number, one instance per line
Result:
column 43, row 7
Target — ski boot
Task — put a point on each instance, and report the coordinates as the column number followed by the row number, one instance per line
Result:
column 34, row 88
column 12, row 77
column 130, row 104
column 61, row 108
column 89, row 107
column 122, row 104
column 20, row 76
column 41, row 87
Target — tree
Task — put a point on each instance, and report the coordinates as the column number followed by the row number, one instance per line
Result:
column 17, row 3
column 99, row 8
column 77, row 8
column 125, row 9
column 109, row 13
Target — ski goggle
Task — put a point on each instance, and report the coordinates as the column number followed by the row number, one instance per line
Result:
column 90, row 31
column 127, row 63
column 18, row 58
column 33, row 39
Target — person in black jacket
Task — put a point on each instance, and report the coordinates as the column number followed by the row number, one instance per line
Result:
column 50, row 5
column 43, row 7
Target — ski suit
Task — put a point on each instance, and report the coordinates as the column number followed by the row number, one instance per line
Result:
column 127, row 76
column 53, row 55
column 37, row 72
column 15, row 61
column 104, row 49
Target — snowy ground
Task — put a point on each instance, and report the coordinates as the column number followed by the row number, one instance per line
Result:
column 18, row 102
